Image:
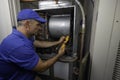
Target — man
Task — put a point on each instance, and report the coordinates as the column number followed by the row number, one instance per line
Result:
column 18, row 59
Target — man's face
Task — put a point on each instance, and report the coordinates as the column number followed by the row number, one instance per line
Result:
column 35, row 26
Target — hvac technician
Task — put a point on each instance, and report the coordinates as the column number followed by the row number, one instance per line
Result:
column 18, row 59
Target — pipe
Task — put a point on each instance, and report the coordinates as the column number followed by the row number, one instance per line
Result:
column 82, row 36
column 83, row 28
column 83, row 13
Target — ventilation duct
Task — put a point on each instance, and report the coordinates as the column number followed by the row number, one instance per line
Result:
column 116, row 72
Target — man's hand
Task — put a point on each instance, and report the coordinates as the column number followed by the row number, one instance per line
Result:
column 62, row 48
column 66, row 39
column 61, row 39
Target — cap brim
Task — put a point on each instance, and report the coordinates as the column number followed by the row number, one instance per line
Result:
column 41, row 20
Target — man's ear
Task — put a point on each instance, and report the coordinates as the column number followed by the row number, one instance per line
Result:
column 27, row 24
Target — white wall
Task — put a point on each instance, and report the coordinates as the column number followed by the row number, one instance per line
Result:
column 101, row 35
column 114, row 43
column 5, row 19
column 8, row 12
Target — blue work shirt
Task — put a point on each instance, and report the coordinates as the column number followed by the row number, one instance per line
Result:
column 17, row 57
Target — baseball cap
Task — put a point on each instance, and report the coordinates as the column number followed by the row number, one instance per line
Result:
column 29, row 14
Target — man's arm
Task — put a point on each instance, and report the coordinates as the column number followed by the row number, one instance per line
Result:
column 45, row 44
column 44, row 65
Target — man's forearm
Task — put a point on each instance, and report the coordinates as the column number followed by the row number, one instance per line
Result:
column 44, row 65
column 45, row 44
column 50, row 62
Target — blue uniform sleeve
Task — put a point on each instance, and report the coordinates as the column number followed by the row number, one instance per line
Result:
column 24, row 57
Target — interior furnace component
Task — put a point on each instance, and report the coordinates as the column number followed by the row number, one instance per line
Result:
column 28, row 0
column 59, row 25
column 45, row 4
